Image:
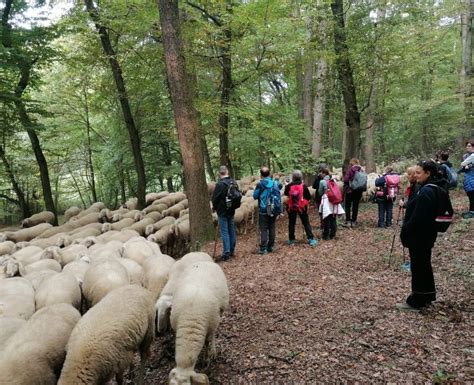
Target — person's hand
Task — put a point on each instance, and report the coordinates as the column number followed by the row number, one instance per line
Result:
column 401, row 203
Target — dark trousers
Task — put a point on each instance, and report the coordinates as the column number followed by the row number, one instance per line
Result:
column 329, row 227
column 351, row 201
column 470, row 195
column 292, row 222
column 266, row 225
column 385, row 213
column 423, row 290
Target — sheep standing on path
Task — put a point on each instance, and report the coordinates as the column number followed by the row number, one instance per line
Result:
column 104, row 341
column 198, row 303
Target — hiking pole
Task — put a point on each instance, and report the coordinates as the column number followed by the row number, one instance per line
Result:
column 394, row 235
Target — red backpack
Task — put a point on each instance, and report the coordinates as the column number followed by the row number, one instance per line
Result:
column 333, row 192
column 296, row 201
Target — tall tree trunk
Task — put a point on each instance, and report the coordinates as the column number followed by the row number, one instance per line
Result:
column 201, row 227
column 318, row 107
column 227, row 85
column 124, row 103
column 308, row 97
column 28, row 125
column 373, row 95
column 207, row 159
column 344, row 70
column 166, row 153
column 25, row 210
column 466, row 67
column 89, row 149
column 427, row 122
column 299, row 71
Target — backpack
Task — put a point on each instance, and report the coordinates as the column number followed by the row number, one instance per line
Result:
column 273, row 204
column 444, row 210
column 296, row 201
column 233, row 197
column 451, row 176
column 359, row 181
column 391, row 186
column 333, row 192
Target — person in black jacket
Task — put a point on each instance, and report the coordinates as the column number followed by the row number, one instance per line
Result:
column 225, row 216
column 419, row 234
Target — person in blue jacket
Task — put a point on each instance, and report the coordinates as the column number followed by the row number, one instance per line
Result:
column 419, row 234
column 467, row 167
column 266, row 222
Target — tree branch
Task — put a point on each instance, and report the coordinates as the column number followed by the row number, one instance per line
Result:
column 205, row 13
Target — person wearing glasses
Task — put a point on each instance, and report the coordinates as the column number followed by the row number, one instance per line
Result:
column 467, row 167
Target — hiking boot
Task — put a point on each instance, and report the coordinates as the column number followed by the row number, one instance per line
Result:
column 312, row 242
column 346, row 224
column 406, row 307
column 468, row 215
column 225, row 257
column 262, row 251
column 353, row 224
column 291, row 242
column 270, row 249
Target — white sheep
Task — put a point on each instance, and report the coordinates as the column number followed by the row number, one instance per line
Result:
column 35, row 353
column 156, row 271
column 103, row 342
column 139, row 249
column 7, row 247
column 67, row 255
column 121, row 224
column 8, row 327
column 109, row 249
column 27, row 234
column 37, row 277
column 166, row 221
column 134, row 270
column 28, row 255
column 42, row 264
column 17, row 298
column 198, row 303
column 71, row 212
column 36, row 219
column 78, row 269
column 59, row 288
column 101, row 278
column 163, row 305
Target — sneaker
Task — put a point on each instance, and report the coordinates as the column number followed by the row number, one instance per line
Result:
column 406, row 307
column 468, row 215
column 345, row 224
column 353, row 225
column 406, row 266
column 291, row 242
column 313, row 242
column 270, row 249
column 225, row 257
column 262, row 251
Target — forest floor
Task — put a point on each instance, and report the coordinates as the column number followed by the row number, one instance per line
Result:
column 327, row 314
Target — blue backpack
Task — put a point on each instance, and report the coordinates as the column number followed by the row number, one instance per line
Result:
column 270, row 200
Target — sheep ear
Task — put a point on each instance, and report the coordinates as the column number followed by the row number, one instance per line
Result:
column 199, row 379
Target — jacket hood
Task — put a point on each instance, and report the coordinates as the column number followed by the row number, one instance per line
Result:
column 267, row 182
column 440, row 182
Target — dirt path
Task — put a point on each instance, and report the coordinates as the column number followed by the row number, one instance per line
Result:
column 324, row 314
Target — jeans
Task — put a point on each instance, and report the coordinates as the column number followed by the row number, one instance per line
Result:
column 351, row 200
column 292, row 222
column 266, row 225
column 470, row 195
column 423, row 290
column 227, row 227
column 385, row 213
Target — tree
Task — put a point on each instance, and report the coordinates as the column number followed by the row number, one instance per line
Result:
column 134, row 135
column 187, row 125
column 466, row 65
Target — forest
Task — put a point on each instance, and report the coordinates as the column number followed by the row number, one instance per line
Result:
column 86, row 102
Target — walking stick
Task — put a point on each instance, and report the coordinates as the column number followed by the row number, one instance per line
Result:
column 400, row 208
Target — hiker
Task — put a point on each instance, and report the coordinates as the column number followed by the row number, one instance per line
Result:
column 467, row 167
column 330, row 206
column 317, row 179
column 225, row 215
column 419, row 235
column 412, row 189
column 266, row 217
column 352, row 196
column 298, row 203
column 386, row 194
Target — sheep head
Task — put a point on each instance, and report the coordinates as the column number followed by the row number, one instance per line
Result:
column 180, row 376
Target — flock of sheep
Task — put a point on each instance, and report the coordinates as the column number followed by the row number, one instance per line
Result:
column 77, row 301
column 108, row 266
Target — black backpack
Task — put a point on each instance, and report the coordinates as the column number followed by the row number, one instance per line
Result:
column 444, row 210
column 233, row 197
